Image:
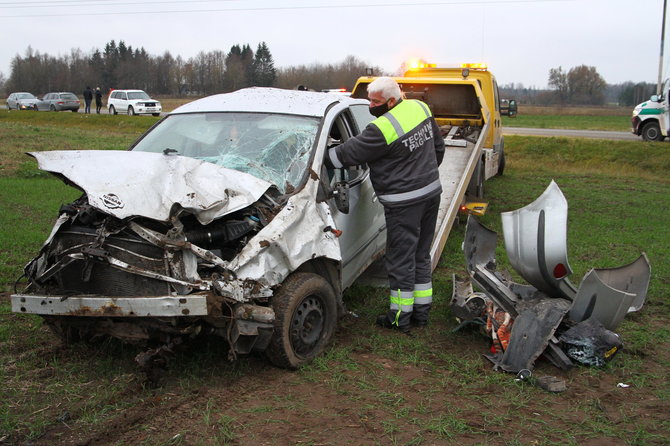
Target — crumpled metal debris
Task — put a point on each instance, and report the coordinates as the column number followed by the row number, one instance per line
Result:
column 548, row 316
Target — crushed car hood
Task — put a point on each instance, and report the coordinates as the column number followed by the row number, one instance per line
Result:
column 126, row 184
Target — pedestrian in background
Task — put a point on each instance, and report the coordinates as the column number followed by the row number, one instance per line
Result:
column 88, row 97
column 98, row 100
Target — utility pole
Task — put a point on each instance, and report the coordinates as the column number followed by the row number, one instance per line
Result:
column 660, row 63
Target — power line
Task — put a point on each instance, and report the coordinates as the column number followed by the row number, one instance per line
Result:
column 266, row 8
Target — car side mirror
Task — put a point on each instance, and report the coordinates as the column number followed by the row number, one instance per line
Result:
column 654, row 98
column 340, row 193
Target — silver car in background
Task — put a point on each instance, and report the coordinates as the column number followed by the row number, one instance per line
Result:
column 59, row 101
column 21, row 101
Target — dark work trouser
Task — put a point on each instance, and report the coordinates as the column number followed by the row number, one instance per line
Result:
column 409, row 233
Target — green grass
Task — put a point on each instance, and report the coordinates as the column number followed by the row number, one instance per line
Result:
column 431, row 389
column 609, row 123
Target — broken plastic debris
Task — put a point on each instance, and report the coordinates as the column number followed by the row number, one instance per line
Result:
column 623, row 385
column 523, row 375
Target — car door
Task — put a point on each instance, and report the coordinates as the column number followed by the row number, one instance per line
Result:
column 123, row 102
column 363, row 228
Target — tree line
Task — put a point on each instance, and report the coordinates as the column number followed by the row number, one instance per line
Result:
column 119, row 65
column 580, row 85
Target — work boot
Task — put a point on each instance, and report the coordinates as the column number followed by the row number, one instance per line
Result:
column 383, row 321
column 419, row 323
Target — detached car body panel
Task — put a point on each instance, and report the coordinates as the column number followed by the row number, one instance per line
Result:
column 219, row 220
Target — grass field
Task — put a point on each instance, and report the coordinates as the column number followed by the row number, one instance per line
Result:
column 370, row 387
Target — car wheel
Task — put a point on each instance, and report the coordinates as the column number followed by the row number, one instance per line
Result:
column 52, row 108
column 112, row 110
column 305, row 320
column 652, row 132
column 35, row 107
column 131, row 112
column 76, row 110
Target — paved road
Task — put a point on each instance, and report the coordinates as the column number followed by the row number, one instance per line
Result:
column 597, row 134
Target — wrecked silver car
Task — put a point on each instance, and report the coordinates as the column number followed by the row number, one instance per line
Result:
column 219, row 220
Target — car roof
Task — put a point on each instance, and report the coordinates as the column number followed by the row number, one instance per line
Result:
column 269, row 100
column 119, row 89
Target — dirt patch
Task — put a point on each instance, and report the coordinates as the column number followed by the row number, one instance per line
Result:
column 368, row 389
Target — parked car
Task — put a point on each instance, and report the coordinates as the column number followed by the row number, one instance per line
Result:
column 132, row 102
column 222, row 219
column 21, row 101
column 59, row 101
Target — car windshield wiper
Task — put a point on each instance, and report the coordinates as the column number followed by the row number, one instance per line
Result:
column 169, row 151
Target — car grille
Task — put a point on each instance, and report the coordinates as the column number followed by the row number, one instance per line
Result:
column 103, row 279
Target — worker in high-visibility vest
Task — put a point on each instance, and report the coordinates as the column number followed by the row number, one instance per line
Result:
column 403, row 148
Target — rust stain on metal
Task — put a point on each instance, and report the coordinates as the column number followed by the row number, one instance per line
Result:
column 264, row 243
column 105, row 310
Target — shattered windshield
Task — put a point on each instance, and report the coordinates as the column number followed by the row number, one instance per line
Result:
column 275, row 148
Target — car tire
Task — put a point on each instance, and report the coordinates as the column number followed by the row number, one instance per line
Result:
column 131, row 112
column 305, row 320
column 652, row 132
column 75, row 110
column 112, row 110
column 52, row 108
column 155, row 114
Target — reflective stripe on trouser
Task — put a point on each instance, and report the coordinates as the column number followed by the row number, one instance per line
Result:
column 402, row 304
column 423, row 301
column 409, row 233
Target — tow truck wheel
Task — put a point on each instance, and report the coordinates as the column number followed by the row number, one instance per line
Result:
column 652, row 132
column 305, row 320
column 501, row 163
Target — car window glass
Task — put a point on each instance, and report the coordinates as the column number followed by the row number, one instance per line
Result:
column 68, row 96
column 137, row 95
column 341, row 130
column 362, row 117
column 275, row 148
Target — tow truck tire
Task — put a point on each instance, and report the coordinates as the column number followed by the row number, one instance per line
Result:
column 305, row 320
column 652, row 132
column 501, row 164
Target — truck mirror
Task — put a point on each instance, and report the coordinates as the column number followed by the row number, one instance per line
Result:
column 512, row 110
column 654, row 98
column 341, row 195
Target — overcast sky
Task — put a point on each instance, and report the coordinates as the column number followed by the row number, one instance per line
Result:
column 520, row 40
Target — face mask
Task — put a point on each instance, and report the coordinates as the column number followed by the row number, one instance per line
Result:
column 379, row 109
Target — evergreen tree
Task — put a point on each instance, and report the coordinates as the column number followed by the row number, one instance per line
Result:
column 264, row 73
